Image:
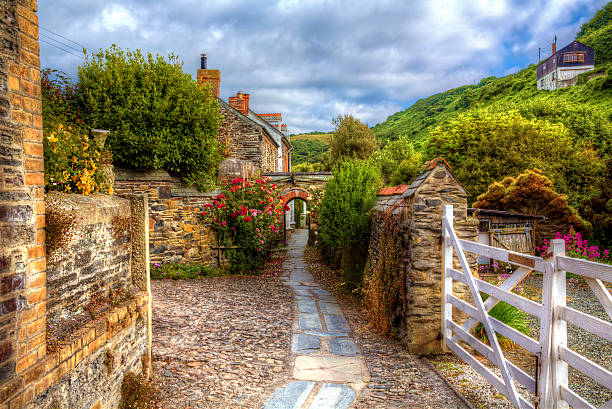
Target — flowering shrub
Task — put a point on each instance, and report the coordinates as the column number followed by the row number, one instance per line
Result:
column 72, row 162
column 577, row 247
column 246, row 219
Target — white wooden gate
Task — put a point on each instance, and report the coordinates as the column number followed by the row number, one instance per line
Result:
column 552, row 389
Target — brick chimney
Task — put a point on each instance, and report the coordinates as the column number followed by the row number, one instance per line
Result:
column 284, row 128
column 554, row 47
column 209, row 77
column 240, row 102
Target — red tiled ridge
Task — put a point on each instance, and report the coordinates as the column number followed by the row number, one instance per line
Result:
column 430, row 164
column 394, row 190
column 270, row 115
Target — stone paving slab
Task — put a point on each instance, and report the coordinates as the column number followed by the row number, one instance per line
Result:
column 343, row 346
column 328, row 333
column 291, row 396
column 307, row 306
column 327, row 368
column 305, row 344
column 330, row 308
column 310, row 322
column 334, row 396
column 336, row 322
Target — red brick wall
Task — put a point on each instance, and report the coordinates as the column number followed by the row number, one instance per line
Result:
column 22, row 207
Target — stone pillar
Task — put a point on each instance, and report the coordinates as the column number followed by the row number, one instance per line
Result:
column 141, row 276
column 22, row 208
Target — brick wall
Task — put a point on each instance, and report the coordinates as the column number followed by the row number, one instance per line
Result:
column 176, row 233
column 22, row 254
column 29, row 374
column 269, row 160
column 419, row 210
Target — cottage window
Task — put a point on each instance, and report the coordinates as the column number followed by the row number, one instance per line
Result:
column 573, row 57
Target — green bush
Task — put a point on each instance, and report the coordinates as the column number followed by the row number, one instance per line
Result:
column 158, row 116
column 509, row 315
column 344, row 217
column 181, row 271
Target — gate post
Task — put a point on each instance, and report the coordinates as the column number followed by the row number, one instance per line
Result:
column 558, row 335
column 553, row 333
column 447, row 280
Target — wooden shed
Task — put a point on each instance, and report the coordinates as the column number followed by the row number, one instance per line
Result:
column 507, row 230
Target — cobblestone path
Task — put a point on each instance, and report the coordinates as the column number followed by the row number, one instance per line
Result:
column 328, row 369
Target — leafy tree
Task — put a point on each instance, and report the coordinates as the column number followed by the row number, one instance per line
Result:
column 307, row 150
column 351, row 139
column 345, row 210
column 532, row 192
column 158, row 116
column 399, row 161
column 484, row 145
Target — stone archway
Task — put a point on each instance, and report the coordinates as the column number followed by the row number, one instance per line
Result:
column 295, row 193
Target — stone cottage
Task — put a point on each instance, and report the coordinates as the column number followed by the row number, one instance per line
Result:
column 245, row 134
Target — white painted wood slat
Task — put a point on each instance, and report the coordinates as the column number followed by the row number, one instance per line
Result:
column 506, row 256
column 587, row 322
column 574, row 399
column 587, row 367
column 585, row 268
column 517, row 373
column 602, row 294
column 509, row 284
column 521, row 339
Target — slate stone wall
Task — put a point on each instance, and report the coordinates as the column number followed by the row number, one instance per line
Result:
column 97, row 258
column 421, row 261
column 176, row 233
column 247, row 141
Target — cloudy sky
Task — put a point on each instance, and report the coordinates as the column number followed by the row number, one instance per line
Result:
column 312, row 60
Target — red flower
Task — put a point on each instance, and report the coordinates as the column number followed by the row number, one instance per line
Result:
column 220, row 205
column 247, row 219
column 287, row 208
column 204, row 213
column 221, row 196
column 208, row 205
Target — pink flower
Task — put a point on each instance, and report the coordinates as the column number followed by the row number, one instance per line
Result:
column 224, row 223
column 261, row 242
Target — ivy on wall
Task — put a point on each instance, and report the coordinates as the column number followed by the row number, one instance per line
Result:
column 385, row 281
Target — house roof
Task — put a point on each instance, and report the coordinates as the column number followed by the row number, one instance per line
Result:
column 251, row 121
column 502, row 213
column 276, row 134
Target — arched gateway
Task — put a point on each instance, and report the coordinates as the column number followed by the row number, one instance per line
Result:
column 297, row 185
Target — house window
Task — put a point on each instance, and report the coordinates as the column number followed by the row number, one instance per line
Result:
column 573, row 57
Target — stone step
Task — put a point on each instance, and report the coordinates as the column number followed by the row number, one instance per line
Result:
column 333, row 396
column 291, row 396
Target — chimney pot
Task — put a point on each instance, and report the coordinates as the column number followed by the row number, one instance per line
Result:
column 203, row 61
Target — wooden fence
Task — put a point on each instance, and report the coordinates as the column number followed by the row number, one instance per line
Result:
column 550, row 386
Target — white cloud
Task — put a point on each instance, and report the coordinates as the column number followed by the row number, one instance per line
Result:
column 314, row 60
column 115, row 16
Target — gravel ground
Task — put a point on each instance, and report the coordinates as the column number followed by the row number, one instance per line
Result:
column 220, row 342
column 398, row 379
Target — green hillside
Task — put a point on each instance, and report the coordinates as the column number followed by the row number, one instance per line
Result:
column 309, row 147
column 593, row 88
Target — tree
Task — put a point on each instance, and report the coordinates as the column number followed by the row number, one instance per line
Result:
column 351, row 139
column 532, row 192
column 484, row 145
column 399, row 162
column 158, row 116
